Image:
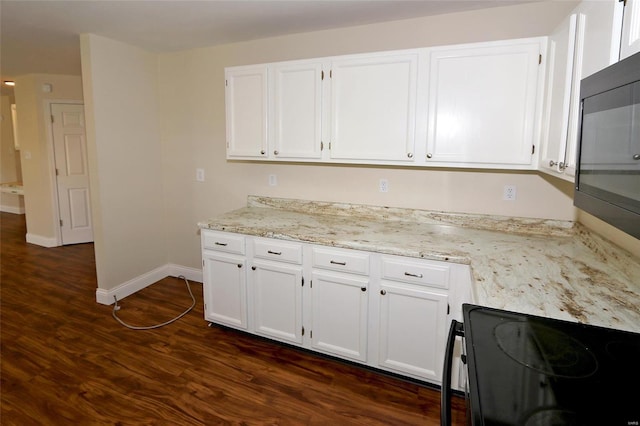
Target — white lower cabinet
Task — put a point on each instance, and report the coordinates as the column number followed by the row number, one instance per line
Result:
column 225, row 289
column 414, row 305
column 275, row 283
column 387, row 312
column 413, row 321
column 339, row 314
column 277, row 300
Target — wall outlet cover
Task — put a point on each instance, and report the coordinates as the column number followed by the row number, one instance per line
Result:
column 509, row 193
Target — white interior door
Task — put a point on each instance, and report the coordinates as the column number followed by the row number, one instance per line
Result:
column 70, row 152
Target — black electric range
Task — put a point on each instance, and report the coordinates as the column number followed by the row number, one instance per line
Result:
column 530, row 370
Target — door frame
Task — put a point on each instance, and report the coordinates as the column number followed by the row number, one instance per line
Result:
column 47, row 105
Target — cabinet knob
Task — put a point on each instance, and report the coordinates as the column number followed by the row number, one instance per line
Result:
column 429, row 155
column 410, row 154
column 363, row 288
column 253, row 268
column 275, row 152
column 262, row 152
column 383, row 292
column 636, row 156
column 239, row 265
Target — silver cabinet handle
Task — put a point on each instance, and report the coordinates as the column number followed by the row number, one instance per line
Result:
column 409, row 274
column 561, row 165
column 410, row 155
column 333, row 262
column 636, row 156
column 429, row 155
column 262, row 152
column 275, row 152
column 383, row 292
column 221, row 244
column 277, row 253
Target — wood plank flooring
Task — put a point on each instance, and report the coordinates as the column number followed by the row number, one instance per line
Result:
column 65, row 360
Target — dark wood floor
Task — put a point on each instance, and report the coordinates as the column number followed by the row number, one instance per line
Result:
column 65, row 360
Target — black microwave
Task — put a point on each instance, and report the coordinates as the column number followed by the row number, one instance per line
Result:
column 608, row 163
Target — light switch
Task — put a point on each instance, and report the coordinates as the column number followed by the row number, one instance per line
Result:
column 200, row 175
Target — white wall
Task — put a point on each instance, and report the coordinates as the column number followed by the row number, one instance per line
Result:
column 124, row 151
column 193, row 131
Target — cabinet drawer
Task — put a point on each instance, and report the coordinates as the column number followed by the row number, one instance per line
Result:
column 221, row 241
column 341, row 260
column 432, row 274
column 277, row 250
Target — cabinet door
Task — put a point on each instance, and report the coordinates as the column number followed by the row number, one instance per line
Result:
column 559, row 96
column 483, row 104
column 297, row 110
column 630, row 29
column 599, row 29
column 339, row 315
column 413, row 321
column 373, row 106
column 277, row 297
column 246, row 111
column 225, row 289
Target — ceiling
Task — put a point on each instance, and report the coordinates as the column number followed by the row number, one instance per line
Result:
column 43, row 36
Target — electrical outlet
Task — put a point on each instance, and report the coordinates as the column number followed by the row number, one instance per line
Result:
column 273, row 180
column 509, row 193
column 384, row 185
column 200, row 175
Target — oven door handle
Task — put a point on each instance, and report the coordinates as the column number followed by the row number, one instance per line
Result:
column 456, row 329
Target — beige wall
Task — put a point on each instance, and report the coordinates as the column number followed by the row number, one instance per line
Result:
column 10, row 169
column 35, row 153
column 193, row 131
column 632, row 245
column 153, row 119
column 124, row 151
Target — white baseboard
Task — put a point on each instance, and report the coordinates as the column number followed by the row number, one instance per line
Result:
column 12, row 209
column 192, row 274
column 106, row 297
column 39, row 240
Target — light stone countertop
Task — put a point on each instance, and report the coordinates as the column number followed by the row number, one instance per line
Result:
column 550, row 268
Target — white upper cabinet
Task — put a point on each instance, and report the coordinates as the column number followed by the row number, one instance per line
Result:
column 598, row 38
column 584, row 43
column 484, row 104
column 373, row 107
column 474, row 105
column 562, row 48
column 246, row 99
column 297, row 110
column 630, row 29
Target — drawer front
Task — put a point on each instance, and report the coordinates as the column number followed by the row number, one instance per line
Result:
column 221, row 241
column 431, row 274
column 277, row 250
column 341, row 260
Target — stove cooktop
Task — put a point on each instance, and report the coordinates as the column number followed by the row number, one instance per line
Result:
column 530, row 370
